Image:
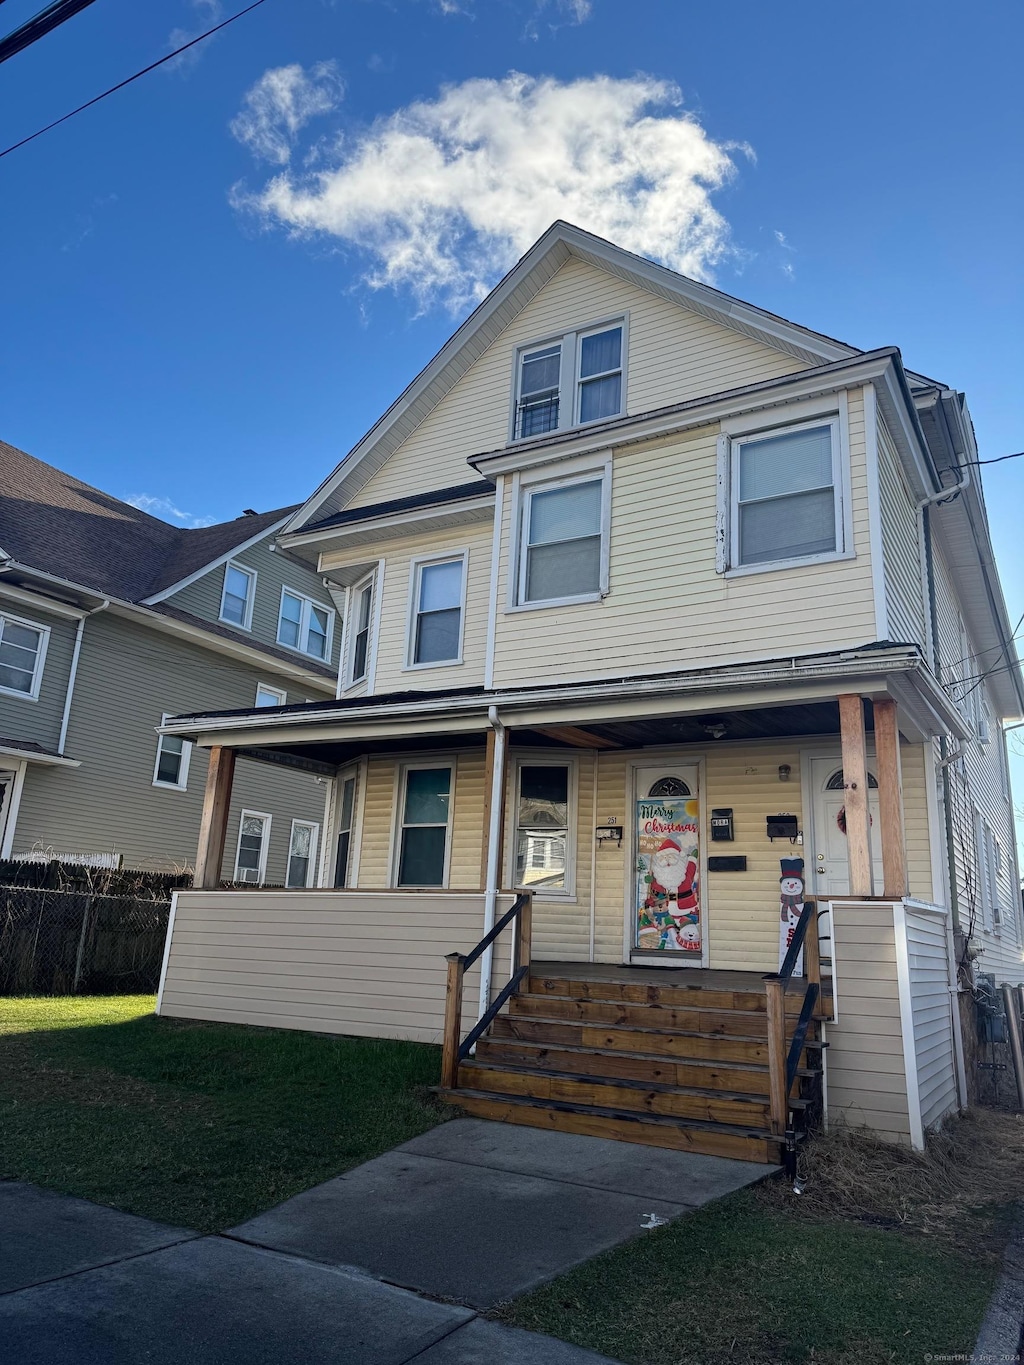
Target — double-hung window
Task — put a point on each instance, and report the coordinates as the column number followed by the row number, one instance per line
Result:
column 270, row 696
column 172, row 759
column 22, row 652
column 563, row 552
column 301, row 853
column 304, row 625
column 436, row 627
column 542, row 827
column 253, row 839
column 237, row 598
column 786, row 495
column 361, row 615
column 423, row 830
column 570, row 380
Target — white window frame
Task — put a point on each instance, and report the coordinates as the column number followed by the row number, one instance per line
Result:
column 398, row 823
column 568, row 376
column 186, row 758
column 250, row 596
column 756, row 427
column 307, row 604
column 415, row 577
column 278, row 692
column 351, row 631
column 268, row 820
column 314, row 847
column 545, row 759
column 572, row 472
column 37, row 674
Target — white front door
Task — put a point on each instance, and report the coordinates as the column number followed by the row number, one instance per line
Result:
column 829, row 870
column 666, row 919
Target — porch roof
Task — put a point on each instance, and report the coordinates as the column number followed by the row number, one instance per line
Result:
column 608, row 713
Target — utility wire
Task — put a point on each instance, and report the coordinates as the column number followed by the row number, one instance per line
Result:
column 121, row 84
column 40, row 25
column 973, row 464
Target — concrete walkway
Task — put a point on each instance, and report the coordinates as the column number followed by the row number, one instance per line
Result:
column 467, row 1215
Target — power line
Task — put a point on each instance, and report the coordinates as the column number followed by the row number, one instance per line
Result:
column 973, row 464
column 121, row 84
column 39, row 26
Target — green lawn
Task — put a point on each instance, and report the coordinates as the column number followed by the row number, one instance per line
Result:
column 197, row 1124
column 742, row 1283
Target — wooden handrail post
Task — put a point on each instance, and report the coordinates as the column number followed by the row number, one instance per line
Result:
column 452, row 1022
column 524, row 936
column 213, row 826
column 812, row 947
column 778, row 1098
column 855, row 780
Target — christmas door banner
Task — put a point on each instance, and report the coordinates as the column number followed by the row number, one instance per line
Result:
column 791, row 905
column 668, row 875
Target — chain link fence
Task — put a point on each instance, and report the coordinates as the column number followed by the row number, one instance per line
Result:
column 78, row 942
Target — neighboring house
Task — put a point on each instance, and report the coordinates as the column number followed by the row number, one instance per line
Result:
column 110, row 620
column 649, row 594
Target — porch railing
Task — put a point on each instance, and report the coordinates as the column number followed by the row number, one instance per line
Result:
column 784, row 1053
column 453, row 1051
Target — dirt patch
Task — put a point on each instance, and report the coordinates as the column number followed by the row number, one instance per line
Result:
column 969, row 1177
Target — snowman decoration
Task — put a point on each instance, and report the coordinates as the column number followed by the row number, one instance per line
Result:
column 791, row 900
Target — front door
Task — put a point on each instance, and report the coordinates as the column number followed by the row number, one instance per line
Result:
column 829, row 874
column 667, row 914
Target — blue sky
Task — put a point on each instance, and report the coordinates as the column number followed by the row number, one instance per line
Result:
column 168, row 333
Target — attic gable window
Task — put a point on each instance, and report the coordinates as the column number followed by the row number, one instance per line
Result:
column 570, row 380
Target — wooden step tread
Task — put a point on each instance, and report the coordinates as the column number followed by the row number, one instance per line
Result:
column 624, row 1082
column 603, row 1025
column 758, row 1070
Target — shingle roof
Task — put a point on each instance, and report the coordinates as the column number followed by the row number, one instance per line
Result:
column 459, row 493
column 54, row 522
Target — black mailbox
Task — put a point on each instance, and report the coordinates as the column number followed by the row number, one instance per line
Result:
column 782, row 827
column 721, row 826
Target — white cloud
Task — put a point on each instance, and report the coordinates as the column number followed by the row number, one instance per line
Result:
column 166, row 511
column 208, row 13
column 444, row 195
column 281, row 103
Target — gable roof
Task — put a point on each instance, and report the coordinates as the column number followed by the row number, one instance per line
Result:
column 54, row 523
column 523, row 282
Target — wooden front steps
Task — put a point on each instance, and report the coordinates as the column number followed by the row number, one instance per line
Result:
column 637, row 1058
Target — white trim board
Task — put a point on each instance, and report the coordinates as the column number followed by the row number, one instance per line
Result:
column 201, row 572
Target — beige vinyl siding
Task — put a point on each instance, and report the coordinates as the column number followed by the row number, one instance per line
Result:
column 378, row 818
column 128, row 677
column 273, row 571
column 901, row 548
column 329, row 961
column 915, row 822
column 978, row 781
column 666, row 606
column 391, row 673
column 39, row 720
column 674, row 355
column 866, row 1081
column 934, row 1047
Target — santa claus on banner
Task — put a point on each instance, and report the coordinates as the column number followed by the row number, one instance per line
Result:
column 672, row 902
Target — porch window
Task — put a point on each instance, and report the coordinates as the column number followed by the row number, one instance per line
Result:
column 304, row 625
column 423, row 838
column 172, row 759
column 237, row 598
column 22, row 651
column 437, row 612
column 563, row 552
column 542, row 827
column 359, row 640
column 345, row 819
column 301, row 853
column 785, row 495
column 251, row 856
column 270, row 696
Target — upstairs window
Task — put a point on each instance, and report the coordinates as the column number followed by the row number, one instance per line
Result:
column 437, row 613
column 568, row 381
column 270, row 696
column 304, row 625
column 563, row 553
column 786, row 500
column 22, row 651
column 237, row 598
column 359, row 638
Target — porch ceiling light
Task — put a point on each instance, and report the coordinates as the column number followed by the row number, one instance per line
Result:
column 715, row 728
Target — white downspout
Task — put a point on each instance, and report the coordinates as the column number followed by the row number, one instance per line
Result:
column 65, row 720
column 493, row 840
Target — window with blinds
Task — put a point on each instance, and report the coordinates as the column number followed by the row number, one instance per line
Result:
column 786, row 500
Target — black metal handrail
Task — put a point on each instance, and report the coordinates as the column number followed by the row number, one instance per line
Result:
column 469, row 958
column 803, row 1023
column 808, row 913
column 484, row 1022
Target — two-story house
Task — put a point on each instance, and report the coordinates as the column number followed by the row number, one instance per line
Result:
column 110, row 620
column 680, row 617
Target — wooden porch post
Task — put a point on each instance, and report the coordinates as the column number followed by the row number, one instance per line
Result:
column 855, row 779
column 452, row 1022
column 214, row 824
column 890, row 799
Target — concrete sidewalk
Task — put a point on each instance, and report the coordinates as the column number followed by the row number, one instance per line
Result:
column 467, row 1215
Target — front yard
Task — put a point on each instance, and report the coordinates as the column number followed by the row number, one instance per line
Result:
column 201, row 1125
